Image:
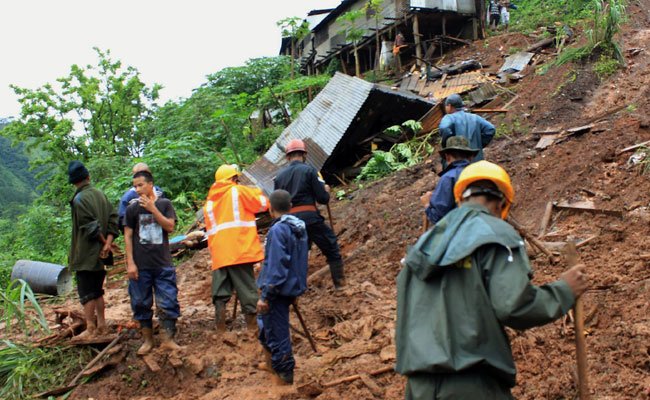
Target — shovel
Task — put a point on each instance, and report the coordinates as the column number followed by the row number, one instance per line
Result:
column 572, row 258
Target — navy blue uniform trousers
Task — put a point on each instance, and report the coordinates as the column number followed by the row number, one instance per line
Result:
column 274, row 333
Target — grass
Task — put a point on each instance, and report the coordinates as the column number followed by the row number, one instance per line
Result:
column 26, row 371
column 19, row 306
column 606, row 66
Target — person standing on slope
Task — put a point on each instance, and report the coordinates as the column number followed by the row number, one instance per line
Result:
column 457, row 122
column 463, row 282
column 302, row 181
column 233, row 242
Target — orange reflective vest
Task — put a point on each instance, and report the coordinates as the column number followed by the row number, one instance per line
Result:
column 230, row 223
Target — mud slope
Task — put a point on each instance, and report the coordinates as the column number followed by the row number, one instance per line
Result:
column 354, row 329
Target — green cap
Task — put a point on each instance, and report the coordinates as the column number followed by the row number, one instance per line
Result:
column 459, row 143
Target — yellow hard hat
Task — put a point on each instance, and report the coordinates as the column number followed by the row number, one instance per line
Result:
column 485, row 170
column 226, row 171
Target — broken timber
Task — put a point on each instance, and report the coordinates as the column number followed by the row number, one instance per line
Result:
column 589, row 207
column 636, row 146
column 355, row 377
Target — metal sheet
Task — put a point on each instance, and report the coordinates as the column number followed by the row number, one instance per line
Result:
column 447, row 5
column 516, row 62
column 455, row 84
column 324, row 122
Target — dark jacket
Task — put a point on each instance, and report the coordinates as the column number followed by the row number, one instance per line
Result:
column 284, row 272
column 462, row 282
column 92, row 214
column 306, row 188
column 442, row 200
column 479, row 131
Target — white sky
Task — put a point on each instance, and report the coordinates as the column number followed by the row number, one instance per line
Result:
column 174, row 43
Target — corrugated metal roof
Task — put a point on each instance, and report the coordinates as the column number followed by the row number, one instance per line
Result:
column 321, row 125
column 516, row 62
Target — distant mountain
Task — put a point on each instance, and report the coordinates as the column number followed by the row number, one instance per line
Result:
column 17, row 183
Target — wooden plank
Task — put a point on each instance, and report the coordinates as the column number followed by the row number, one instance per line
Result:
column 490, row 110
column 546, row 141
column 589, row 207
column 636, row 146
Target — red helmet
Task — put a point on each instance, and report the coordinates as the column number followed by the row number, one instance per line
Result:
column 295, row 145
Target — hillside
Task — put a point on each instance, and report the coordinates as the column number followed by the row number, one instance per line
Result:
column 354, row 330
column 17, row 183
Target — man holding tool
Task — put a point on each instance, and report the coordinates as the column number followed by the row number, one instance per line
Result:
column 233, row 242
column 462, row 283
column 306, row 189
column 283, row 277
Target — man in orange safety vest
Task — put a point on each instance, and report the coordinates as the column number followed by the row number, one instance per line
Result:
column 233, row 241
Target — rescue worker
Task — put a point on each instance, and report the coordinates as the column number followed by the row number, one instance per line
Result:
column 458, row 154
column 94, row 226
column 233, row 241
column 302, row 181
column 457, row 122
column 130, row 196
column 461, row 284
column 283, row 277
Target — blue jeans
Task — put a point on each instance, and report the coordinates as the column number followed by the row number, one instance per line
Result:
column 274, row 333
column 161, row 283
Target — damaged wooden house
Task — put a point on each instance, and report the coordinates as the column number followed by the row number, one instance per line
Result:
column 421, row 29
column 341, row 126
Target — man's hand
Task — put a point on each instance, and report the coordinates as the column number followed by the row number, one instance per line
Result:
column 424, row 199
column 262, row 306
column 103, row 253
column 147, row 203
column 575, row 278
column 115, row 249
column 132, row 271
column 327, row 188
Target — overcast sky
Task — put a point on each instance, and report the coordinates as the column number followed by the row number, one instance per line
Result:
column 173, row 43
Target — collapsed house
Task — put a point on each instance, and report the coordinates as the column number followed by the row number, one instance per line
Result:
column 340, row 126
column 427, row 26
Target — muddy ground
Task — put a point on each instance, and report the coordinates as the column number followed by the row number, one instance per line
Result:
column 354, row 329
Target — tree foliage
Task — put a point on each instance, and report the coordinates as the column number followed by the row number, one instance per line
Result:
column 95, row 110
column 352, row 33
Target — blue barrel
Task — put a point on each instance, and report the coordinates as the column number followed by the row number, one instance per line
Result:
column 43, row 277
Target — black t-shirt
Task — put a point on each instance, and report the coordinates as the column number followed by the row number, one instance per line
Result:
column 150, row 241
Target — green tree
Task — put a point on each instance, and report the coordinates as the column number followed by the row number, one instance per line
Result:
column 352, row 33
column 94, row 111
column 296, row 29
column 375, row 7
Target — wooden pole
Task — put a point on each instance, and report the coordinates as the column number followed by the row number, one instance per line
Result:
column 97, row 358
column 329, row 215
column 355, row 377
column 572, row 258
column 304, row 326
column 416, row 36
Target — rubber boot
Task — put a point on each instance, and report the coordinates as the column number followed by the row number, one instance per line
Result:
column 283, row 378
column 220, row 316
column 251, row 322
column 336, row 269
column 147, row 335
column 168, row 332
